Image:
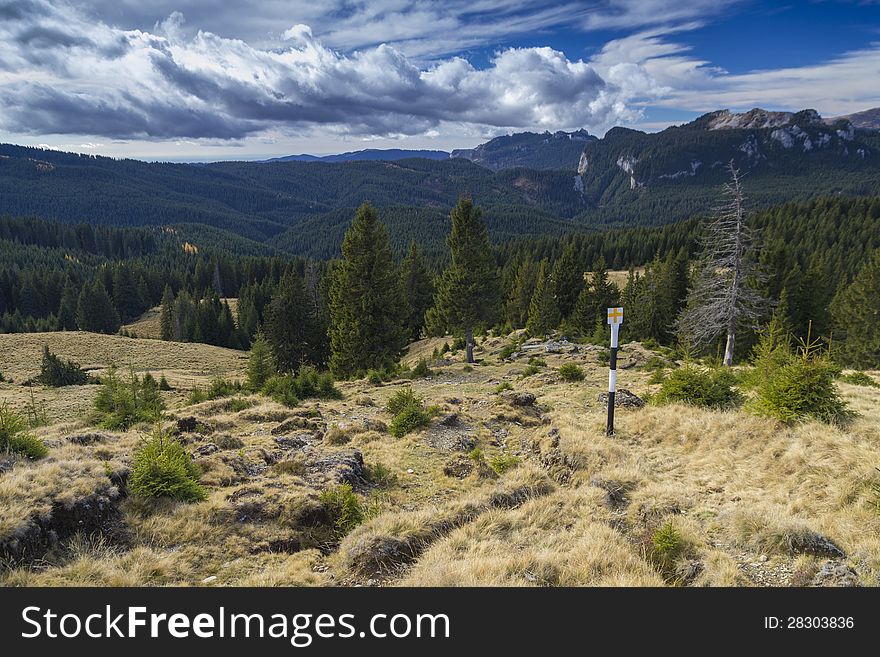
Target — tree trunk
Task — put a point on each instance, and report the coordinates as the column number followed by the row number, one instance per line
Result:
column 728, row 350
column 469, row 344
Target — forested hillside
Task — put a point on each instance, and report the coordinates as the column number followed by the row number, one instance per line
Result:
column 57, row 276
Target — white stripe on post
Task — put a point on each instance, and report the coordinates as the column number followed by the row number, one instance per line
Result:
column 612, row 381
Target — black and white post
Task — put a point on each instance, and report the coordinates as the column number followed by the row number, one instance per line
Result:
column 615, row 319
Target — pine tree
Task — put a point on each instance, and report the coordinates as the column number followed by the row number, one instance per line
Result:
column 125, row 294
column 857, row 318
column 291, row 327
column 517, row 308
column 367, row 307
column 166, row 314
column 418, row 289
column 95, row 310
column 468, row 295
column 67, row 308
column 595, row 298
column 261, row 364
column 543, row 311
column 568, row 281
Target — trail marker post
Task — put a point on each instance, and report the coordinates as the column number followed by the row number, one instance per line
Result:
column 615, row 319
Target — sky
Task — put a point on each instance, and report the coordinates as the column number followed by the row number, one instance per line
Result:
column 203, row 80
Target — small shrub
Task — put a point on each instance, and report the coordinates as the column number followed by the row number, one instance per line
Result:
column 121, row 404
column 445, row 349
column 381, row 475
column 164, row 385
column 15, row 439
column 501, row 387
column 57, row 373
column 344, row 508
column 657, row 376
column 476, row 455
column 421, row 370
column 800, row 386
column 280, row 388
column 2, row 378
column 537, row 362
column 507, row 351
column 503, row 462
column 457, row 344
column 695, row 387
column 467, row 369
column 571, row 372
column 261, row 363
column 409, row 419
column 378, row 377
column 239, row 404
column 218, row 389
column 401, row 399
column 162, row 468
column 310, row 383
column 530, row 370
column 859, row 379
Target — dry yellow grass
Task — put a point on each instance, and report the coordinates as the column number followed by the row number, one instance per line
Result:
column 747, row 499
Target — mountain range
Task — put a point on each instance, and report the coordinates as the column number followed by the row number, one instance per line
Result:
column 528, row 184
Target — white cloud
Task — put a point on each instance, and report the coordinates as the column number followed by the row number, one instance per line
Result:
column 91, row 78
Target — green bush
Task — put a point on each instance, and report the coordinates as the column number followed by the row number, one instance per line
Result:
column 219, row 388
column 696, row 387
column 15, row 439
column 530, row 370
column 57, row 373
column 537, row 362
column 261, row 363
column 501, row 387
column 308, row 383
column 409, row 419
column 280, row 388
column 401, row 399
column 164, row 385
column 122, row 404
column 458, row 344
column 344, row 508
column 503, row 462
column 571, row 372
column 859, row 379
column 421, row 370
column 381, row 475
column 507, row 351
column 802, row 389
column 162, row 468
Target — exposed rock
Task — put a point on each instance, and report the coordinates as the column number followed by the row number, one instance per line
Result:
column 187, row 424
column 622, row 399
column 346, row 465
column 293, row 442
column 455, row 401
column 207, row 449
column 458, row 467
column 97, row 512
column 834, row 573
column 294, row 423
column 228, row 441
column 515, row 398
column 810, row 542
column 688, row 570
column 450, row 420
column 88, row 438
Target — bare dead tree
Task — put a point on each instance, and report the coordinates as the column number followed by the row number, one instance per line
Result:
column 724, row 297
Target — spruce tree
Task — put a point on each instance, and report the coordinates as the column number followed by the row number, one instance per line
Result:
column 67, row 308
column 595, row 298
column 568, row 281
column 517, row 308
column 367, row 308
column 856, row 313
column 468, row 294
column 291, row 326
column 166, row 314
column 418, row 289
column 261, row 364
column 95, row 310
column 543, row 311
